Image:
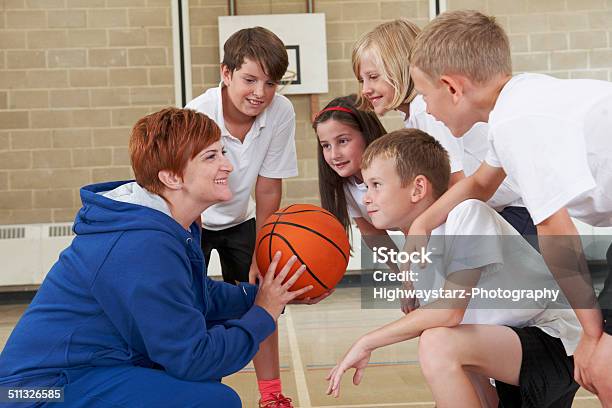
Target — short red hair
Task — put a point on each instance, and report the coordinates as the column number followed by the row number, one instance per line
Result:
column 167, row 140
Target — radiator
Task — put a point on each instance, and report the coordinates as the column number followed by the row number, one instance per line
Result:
column 28, row 251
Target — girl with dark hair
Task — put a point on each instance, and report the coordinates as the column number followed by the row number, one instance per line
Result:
column 344, row 132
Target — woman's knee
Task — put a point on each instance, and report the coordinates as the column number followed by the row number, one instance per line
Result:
column 226, row 397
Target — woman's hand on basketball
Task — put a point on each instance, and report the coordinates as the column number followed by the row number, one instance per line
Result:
column 273, row 294
column 357, row 357
column 312, row 301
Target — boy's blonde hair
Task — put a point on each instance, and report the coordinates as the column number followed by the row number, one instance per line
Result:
column 389, row 44
column 463, row 42
column 414, row 152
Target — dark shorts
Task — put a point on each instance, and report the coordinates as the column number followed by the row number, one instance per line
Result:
column 605, row 301
column 547, row 374
column 608, row 322
column 605, row 297
column 521, row 220
column 235, row 246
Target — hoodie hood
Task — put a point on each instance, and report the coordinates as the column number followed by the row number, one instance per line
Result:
column 124, row 206
column 132, row 193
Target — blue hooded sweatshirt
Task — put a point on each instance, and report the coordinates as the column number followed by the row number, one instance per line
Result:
column 132, row 289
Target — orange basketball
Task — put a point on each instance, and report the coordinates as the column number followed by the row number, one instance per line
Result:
column 312, row 234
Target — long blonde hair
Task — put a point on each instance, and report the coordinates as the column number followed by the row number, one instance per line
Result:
column 389, row 44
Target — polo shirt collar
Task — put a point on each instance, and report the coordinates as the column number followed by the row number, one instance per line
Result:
column 358, row 184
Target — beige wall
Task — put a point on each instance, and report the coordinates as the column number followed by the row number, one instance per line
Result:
column 565, row 38
column 76, row 74
column 74, row 77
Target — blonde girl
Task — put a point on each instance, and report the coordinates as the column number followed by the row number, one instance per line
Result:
column 381, row 65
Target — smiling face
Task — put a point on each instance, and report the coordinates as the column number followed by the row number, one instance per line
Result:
column 248, row 88
column 205, row 177
column 388, row 203
column 374, row 87
column 342, row 146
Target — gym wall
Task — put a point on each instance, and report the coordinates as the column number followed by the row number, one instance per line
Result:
column 76, row 74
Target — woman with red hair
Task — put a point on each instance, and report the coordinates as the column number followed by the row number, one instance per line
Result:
column 127, row 316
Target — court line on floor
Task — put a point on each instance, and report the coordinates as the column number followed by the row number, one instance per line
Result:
column 326, row 366
column 389, row 404
column 298, row 367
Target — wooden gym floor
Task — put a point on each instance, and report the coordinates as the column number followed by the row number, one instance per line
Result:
column 312, row 338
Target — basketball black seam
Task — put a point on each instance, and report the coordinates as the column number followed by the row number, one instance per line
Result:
column 304, row 211
column 270, row 234
column 298, row 257
column 314, row 232
column 272, row 231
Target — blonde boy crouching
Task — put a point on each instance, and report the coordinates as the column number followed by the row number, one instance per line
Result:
column 552, row 136
column 465, row 341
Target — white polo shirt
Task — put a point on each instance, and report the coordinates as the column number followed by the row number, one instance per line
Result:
column 268, row 150
column 554, row 137
column 418, row 118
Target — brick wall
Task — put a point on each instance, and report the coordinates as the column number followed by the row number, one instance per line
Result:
column 565, row 38
column 74, row 77
column 76, row 74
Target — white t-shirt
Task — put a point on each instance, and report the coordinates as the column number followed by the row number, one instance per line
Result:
column 554, row 137
column 268, row 150
column 354, row 191
column 475, row 147
column 476, row 236
column 465, row 153
column 418, row 118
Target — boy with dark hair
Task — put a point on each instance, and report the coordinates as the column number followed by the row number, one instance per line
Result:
column 257, row 131
column 466, row 339
column 552, row 136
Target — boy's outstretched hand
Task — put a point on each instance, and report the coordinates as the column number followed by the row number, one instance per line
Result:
column 357, row 357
